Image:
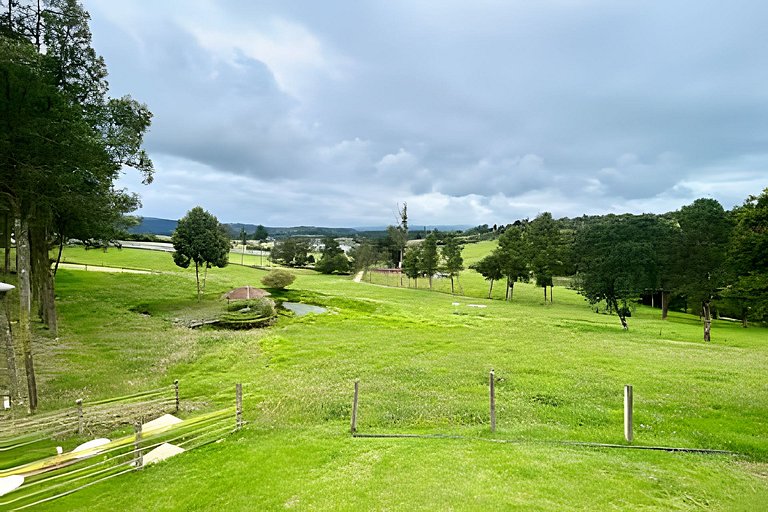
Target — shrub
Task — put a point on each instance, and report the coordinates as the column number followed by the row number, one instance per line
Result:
column 261, row 307
column 278, row 278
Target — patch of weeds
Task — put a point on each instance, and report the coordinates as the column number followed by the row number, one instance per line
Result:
column 545, row 399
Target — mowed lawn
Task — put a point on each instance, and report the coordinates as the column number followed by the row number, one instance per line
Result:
column 423, row 364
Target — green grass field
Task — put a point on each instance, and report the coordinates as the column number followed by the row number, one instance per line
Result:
column 423, row 366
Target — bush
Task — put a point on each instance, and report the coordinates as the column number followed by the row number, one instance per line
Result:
column 278, row 278
column 261, row 307
column 248, row 314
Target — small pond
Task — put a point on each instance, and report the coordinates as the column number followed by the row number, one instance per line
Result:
column 300, row 309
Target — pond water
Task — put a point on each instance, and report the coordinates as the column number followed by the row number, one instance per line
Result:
column 300, row 309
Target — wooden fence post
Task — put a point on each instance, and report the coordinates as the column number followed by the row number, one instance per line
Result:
column 138, row 457
column 176, row 390
column 79, row 403
column 353, row 425
column 492, row 388
column 239, row 405
column 628, row 413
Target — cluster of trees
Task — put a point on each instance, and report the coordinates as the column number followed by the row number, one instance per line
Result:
column 426, row 259
column 538, row 249
column 63, row 142
column 710, row 259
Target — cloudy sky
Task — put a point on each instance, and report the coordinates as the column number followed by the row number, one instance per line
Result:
column 485, row 111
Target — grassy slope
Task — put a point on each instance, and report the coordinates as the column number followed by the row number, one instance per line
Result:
column 423, row 365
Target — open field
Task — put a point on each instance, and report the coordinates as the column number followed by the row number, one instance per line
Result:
column 423, row 365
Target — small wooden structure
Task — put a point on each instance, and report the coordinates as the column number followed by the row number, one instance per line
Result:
column 246, row 293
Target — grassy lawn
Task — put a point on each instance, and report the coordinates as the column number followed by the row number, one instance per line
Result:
column 423, row 363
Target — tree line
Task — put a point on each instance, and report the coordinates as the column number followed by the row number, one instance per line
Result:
column 703, row 257
column 63, row 143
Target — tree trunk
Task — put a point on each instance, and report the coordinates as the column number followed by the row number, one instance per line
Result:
column 490, row 288
column 430, row 281
column 664, row 304
column 551, row 293
column 7, row 239
column 25, row 306
column 620, row 313
column 10, row 351
column 506, row 291
column 42, row 277
column 707, row 320
column 197, row 280
column 744, row 319
column 511, row 289
column 545, row 294
column 58, row 255
column 452, row 284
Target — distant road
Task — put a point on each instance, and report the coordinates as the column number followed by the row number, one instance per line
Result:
column 168, row 247
column 150, row 246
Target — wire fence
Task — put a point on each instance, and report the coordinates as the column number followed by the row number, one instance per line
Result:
column 84, row 419
column 55, row 476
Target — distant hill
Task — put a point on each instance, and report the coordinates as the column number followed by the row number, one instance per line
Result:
column 156, row 226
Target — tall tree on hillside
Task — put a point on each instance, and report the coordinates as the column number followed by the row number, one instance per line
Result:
column 616, row 261
column 490, row 268
column 706, row 230
column 542, row 238
column 511, row 257
column 454, row 263
column 412, row 263
column 261, row 233
column 199, row 238
column 430, row 259
column 59, row 126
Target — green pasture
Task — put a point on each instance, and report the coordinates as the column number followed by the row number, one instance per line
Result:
column 423, row 359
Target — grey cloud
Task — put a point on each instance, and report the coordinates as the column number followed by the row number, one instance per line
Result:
column 593, row 105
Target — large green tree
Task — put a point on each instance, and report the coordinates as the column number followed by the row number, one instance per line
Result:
column 616, row 261
column 201, row 239
column 512, row 258
column 293, row 251
column 63, row 141
column 333, row 259
column 412, row 263
column 543, row 250
column 453, row 263
column 705, row 232
column 430, row 258
column 747, row 292
column 490, row 268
